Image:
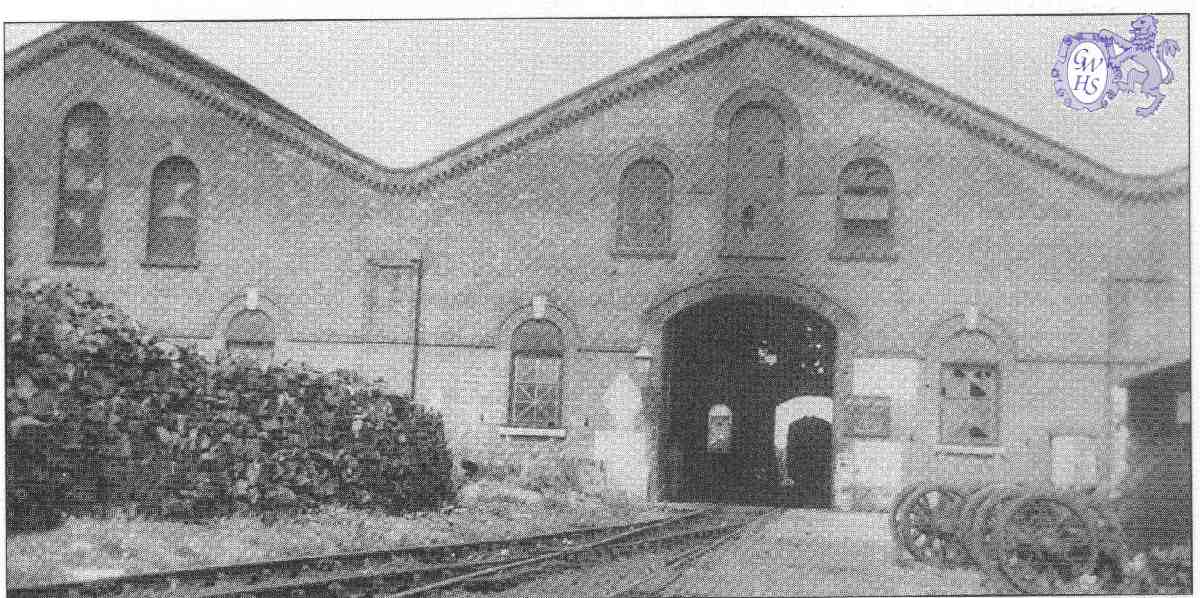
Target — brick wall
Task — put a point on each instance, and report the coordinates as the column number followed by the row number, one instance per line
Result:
column 1079, row 281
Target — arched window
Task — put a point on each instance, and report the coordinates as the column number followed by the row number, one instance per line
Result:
column 251, row 335
column 969, row 389
column 757, row 166
column 174, row 201
column 864, row 209
column 644, row 208
column 720, row 429
column 535, row 384
column 82, row 185
column 758, row 146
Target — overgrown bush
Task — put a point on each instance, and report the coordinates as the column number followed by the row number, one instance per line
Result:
column 103, row 415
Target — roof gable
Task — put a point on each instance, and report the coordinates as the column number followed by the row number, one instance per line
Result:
column 225, row 92
column 199, row 79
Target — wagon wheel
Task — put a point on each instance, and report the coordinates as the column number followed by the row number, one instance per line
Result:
column 966, row 515
column 974, row 486
column 980, row 535
column 975, row 499
column 1045, row 543
column 894, row 512
column 927, row 522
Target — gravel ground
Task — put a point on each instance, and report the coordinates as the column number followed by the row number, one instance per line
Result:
column 821, row 553
column 86, row 548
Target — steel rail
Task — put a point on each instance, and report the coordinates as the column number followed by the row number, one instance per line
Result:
column 610, row 552
column 673, row 569
column 383, row 578
column 255, row 573
column 512, row 574
column 603, row 545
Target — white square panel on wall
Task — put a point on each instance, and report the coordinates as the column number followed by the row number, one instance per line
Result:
column 878, row 463
column 887, row 377
column 900, row 381
column 1073, row 461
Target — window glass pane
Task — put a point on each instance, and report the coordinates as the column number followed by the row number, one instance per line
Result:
column 864, row 207
column 968, row 394
column 972, row 346
column 720, row 429
column 539, row 370
column 866, row 228
column 251, row 326
column 865, row 176
column 81, row 183
column 758, row 145
column 864, row 186
column 538, row 336
column 171, row 233
column 535, row 399
column 644, row 207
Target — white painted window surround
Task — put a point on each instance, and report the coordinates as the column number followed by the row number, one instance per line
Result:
column 533, row 432
column 961, row 449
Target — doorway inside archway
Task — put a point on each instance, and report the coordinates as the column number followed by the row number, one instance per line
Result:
column 804, row 450
column 810, row 462
column 729, row 363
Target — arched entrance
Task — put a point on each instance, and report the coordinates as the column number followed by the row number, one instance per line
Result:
column 728, row 363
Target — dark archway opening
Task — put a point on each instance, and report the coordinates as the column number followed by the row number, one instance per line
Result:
column 728, row 363
column 810, row 462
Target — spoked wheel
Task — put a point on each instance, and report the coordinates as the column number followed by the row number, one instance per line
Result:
column 1045, row 543
column 894, row 513
column 976, row 498
column 980, row 535
column 927, row 523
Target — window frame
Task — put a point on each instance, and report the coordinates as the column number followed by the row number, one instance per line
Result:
column 854, row 239
column 994, row 399
column 609, row 191
column 90, row 203
column 560, row 369
column 154, row 255
column 269, row 346
column 715, row 411
column 744, row 236
column 622, row 218
column 994, row 348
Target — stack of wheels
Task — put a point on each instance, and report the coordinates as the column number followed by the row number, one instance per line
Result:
column 1041, row 543
column 977, row 519
column 924, row 521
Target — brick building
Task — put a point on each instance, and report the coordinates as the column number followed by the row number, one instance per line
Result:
column 762, row 263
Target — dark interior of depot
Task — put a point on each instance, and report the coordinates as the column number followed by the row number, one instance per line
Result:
column 729, row 363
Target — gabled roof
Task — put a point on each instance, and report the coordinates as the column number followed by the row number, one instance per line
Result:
column 159, row 57
column 227, row 93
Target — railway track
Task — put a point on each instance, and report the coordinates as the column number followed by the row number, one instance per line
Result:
column 643, row 567
column 350, row 575
column 657, row 579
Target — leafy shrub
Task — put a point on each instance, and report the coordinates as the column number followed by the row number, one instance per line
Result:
column 103, row 415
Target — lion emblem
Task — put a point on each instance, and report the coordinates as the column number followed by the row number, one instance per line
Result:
column 1154, row 71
